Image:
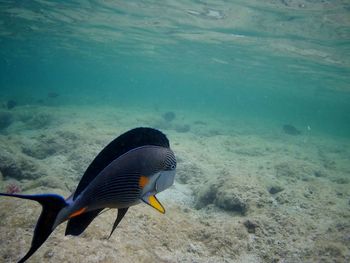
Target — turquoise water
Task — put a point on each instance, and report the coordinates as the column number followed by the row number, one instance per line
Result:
column 259, row 102
column 282, row 60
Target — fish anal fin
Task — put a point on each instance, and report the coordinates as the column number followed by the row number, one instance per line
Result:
column 153, row 201
column 77, row 225
column 121, row 214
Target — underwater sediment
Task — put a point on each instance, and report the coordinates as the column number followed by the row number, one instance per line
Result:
column 240, row 196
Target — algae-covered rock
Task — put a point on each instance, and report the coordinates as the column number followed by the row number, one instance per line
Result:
column 251, row 225
column 206, row 195
column 40, row 120
column 230, row 200
column 24, row 115
column 293, row 171
column 284, row 169
column 9, row 167
column 221, row 195
column 188, row 172
column 6, row 119
column 274, row 189
column 40, row 150
column 35, row 119
column 341, row 180
column 18, row 166
column 47, row 181
column 335, row 250
column 46, row 145
column 320, row 173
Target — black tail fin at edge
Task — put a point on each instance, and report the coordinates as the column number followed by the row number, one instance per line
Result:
column 51, row 206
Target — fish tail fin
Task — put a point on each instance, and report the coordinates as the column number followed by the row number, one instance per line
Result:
column 51, row 204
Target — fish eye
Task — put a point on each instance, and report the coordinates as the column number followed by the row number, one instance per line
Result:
column 173, row 166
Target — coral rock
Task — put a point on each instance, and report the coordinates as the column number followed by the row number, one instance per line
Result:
column 251, row 225
column 5, row 119
column 8, row 165
column 231, row 201
column 275, row 189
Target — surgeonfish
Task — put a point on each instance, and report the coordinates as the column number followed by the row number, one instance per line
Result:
column 132, row 168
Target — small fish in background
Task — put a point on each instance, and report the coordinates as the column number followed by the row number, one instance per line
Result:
column 134, row 167
column 10, row 104
column 290, row 129
column 52, row 95
column 169, row 116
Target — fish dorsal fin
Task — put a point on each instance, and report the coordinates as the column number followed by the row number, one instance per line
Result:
column 121, row 214
column 127, row 141
column 153, row 201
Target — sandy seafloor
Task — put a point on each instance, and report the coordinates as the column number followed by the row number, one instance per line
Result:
column 245, row 191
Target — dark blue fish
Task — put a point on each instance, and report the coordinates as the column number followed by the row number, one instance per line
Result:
column 132, row 168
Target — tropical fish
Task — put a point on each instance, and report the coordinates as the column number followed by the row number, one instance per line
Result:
column 134, row 167
column 290, row 129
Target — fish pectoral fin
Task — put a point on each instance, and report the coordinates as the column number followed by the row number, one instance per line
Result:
column 77, row 213
column 153, row 201
column 121, row 214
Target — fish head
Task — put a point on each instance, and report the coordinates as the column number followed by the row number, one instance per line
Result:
column 163, row 178
column 162, row 181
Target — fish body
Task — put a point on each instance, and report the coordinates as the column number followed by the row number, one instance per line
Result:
column 132, row 168
column 290, row 129
column 125, row 182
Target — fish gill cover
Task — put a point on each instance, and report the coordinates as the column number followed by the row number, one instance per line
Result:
column 253, row 95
